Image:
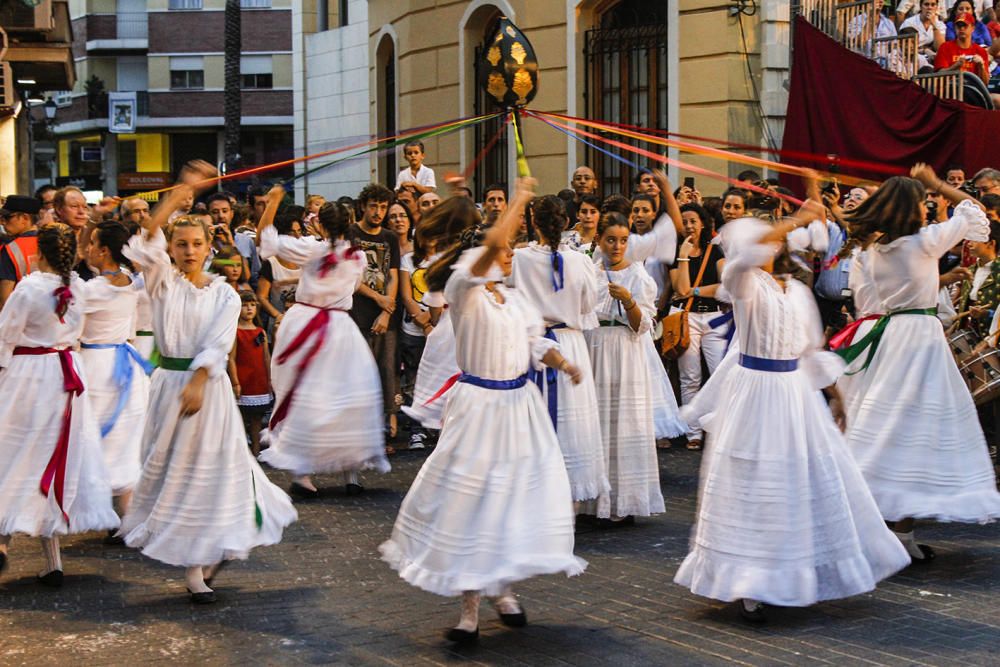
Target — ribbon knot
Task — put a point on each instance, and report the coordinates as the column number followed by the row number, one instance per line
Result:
column 871, row 341
column 64, row 297
column 330, row 261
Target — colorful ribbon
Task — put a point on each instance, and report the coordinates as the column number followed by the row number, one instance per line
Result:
column 558, row 276
column 550, row 377
column 874, row 337
column 330, row 261
column 448, row 384
column 846, row 335
column 55, row 470
column 722, row 320
column 64, row 297
column 614, row 156
column 315, row 328
column 125, row 354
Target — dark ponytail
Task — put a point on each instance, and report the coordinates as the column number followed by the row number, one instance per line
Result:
column 57, row 244
column 440, row 271
column 335, row 219
column 113, row 236
column 550, row 220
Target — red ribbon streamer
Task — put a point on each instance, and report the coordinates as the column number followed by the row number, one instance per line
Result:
column 315, row 328
column 55, row 470
column 448, row 384
column 845, row 336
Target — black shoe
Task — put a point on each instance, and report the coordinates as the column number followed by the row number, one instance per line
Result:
column 202, row 598
column 620, row 523
column 928, row 553
column 218, row 569
column 460, row 636
column 296, row 490
column 354, row 489
column 517, row 620
column 53, row 579
column 752, row 616
column 113, row 540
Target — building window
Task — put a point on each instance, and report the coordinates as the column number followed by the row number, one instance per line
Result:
column 63, row 98
column 342, row 19
column 385, row 59
column 256, row 72
column 184, row 4
column 626, row 56
column 187, row 73
column 255, row 4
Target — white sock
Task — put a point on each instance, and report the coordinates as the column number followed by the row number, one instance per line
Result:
column 351, row 477
column 750, row 604
column 195, row 578
column 507, row 602
column 53, row 559
column 470, row 611
column 910, row 543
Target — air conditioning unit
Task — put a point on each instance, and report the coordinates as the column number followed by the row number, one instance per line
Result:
column 8, row 95
column 18, row 16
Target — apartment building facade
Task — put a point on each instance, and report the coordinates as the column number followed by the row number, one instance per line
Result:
column 170, row 54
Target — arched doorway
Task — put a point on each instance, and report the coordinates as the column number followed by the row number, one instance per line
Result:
column 626, row 77
column 386, row 105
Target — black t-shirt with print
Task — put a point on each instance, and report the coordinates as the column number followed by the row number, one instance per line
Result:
column 381, row 252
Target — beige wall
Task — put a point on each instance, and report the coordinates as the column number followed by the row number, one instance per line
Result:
column 281, row 66
column 159, row 72
column 713, row 96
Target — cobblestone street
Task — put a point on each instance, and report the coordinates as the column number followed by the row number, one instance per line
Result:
column 323, row 597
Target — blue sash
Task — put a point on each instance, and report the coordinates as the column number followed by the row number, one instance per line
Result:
column 550, row 377
column 125, row 354
column 769, row 365
column 502, row 385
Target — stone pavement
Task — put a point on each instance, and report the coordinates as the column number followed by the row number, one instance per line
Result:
column 323, row 597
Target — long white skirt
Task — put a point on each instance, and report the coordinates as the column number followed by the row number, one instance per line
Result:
column 914, row 432
column 491, row 505
column 31, row 419
column 784, row 515
column 335, row 419
column 625, row 394
column 201, row 494
column 436, row 365
column 666, row 414
column 578, row 426
column 122, row 444
column 145, row 345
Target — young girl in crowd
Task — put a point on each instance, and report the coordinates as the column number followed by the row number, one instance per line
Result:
column 562, row 286
column 784, row 515
column 228, row 263
column 328, row 414
column 202, row 499
column 492, row 503
column 250, row 370
column 49, row 440
column 622, row 374
column 912, row 421
column 117, row 385
column 581, row 238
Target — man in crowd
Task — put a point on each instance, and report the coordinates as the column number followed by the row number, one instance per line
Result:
column 494, row 202
column 220, row 207
column 987, row 181
column 929, row 26
column 374, row 309
column 405, row 196
column 584, row 182
column 135, row 210
column 961, row 53
column 955, row 176
column 45, row 194
column 427, row 202
column 20, row 242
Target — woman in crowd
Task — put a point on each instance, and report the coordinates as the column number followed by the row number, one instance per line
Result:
column 201, row 499
column 912, row 423
column 416, row 324
column 588, row 212
column 784, row 516
column 328, row 411
column 116, row 372
column 492, row 504
column 622, row 374
column 562, row 286
column 707, row 341
column 50, row 439
column 735, row 203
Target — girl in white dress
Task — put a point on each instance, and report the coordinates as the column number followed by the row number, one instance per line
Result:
column 116, row 372
column 562, row 286
column 784, row 515
column 201, row 499
column 53, row 481
column 623, row 374
column 492, row 503
column 914, row 430
column 327, row 415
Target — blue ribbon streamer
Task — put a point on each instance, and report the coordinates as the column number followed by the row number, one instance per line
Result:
column 125, row 354
column 558, row 277
column 550, row 377
column 722, row 320
column 592, row 145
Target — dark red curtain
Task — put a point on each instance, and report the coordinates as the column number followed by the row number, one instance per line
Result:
column 844, row 104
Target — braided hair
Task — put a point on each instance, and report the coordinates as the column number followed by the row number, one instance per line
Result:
column 57, row 244
column 113, row 236
column 335, row 218
column 550, row 220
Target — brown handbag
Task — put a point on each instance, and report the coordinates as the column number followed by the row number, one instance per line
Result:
column 676, row 331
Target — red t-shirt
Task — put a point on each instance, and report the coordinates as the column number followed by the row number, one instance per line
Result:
column 951, row 51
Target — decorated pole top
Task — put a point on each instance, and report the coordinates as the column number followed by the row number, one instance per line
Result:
column 509, row 70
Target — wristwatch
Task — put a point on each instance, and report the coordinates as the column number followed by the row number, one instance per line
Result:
column 696, row 292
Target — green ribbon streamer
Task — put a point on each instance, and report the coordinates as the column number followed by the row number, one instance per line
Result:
column 874, row 337
column 398, row 142
column 258, row 516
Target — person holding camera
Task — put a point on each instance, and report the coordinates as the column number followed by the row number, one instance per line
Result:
column 961, row 53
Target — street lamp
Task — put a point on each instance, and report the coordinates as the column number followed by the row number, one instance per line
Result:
column 50, row 110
